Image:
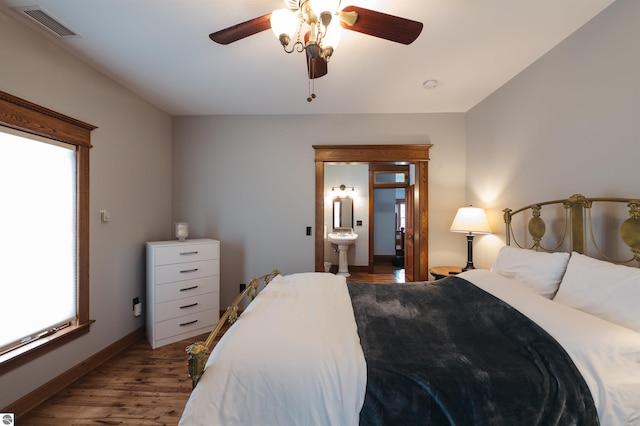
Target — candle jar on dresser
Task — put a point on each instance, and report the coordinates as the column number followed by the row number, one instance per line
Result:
column 182, row 231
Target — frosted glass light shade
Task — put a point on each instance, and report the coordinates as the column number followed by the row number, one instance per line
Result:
column 332, row 38
column 471, row 220
column 283, row 21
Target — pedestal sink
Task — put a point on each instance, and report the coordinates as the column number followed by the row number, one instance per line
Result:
column 343, row 241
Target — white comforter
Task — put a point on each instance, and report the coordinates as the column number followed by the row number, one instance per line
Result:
column 607, row 355
column 294, row 356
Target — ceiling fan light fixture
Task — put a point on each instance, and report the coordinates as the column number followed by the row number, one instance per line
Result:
column 327, row 52
column 309, row 26
column 283, row 24
column 292, row 5
column 321, row 6
column 313, row 50
column 332, row 35
column 325, row 18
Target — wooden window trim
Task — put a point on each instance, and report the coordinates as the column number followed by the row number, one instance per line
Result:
column 19, row 114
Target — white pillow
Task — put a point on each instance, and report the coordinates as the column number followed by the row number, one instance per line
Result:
column 603, row 289
column 540, row 271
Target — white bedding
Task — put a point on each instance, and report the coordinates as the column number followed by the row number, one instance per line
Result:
column 598, row 348
column 319, row 378
column 296, row 347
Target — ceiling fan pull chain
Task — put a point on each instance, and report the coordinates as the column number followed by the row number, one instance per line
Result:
column 312, row 84
column 310, row 98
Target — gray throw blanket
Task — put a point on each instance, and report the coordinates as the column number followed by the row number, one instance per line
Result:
column 448, row 353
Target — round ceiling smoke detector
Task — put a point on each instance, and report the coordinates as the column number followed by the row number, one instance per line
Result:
column 430, row 84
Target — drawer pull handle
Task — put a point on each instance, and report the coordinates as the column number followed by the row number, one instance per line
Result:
column 188, row 270
column 188, row 253
column 188, row 323
column 189, row 288
column 189, row 306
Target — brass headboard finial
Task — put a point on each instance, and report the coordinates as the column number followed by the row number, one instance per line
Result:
column 630, row 229
column 576, row 205
column 578, row 199
column 506, row 215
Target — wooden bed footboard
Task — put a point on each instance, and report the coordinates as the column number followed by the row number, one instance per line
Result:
column 198, row 351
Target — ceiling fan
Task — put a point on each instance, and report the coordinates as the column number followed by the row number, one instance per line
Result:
column 315, row 27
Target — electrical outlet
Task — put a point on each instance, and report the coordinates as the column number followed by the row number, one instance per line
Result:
column 137, row 307
column 308, row 230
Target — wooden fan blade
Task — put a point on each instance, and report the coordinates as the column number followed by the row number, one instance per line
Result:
column 382, row 25
column 242, row 30
column 316, row 67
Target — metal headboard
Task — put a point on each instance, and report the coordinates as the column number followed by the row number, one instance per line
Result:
column 578, row 225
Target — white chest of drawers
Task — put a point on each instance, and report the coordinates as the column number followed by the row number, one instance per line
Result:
column 183, row 288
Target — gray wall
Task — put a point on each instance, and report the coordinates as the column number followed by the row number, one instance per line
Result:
column 130, row 177
column 570, row 123
column 249, row 181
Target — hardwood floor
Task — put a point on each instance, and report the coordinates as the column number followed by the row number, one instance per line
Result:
column 141, row 386
column 382, row 274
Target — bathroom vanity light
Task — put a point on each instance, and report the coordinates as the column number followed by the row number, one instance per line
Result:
column 342, row 188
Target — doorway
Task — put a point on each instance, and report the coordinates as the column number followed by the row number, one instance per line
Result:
column 415, row 155
column 389, row 220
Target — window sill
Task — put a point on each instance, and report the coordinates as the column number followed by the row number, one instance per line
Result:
column 33, row 350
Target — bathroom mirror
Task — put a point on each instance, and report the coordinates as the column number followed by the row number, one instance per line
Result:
column 342, row 212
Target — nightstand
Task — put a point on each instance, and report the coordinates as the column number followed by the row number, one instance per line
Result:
column 439, row 272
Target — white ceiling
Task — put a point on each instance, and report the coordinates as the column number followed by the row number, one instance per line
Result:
column 160, row 49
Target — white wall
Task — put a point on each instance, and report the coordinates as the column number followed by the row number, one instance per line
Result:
column 249, row 181
column 570, row 123
column 130, row 177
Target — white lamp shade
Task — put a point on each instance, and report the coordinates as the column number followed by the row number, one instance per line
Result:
column 471, row 220
column 332, row 38
column 283, row 21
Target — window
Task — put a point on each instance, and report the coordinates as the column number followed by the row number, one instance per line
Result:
column 44, row 258
column 401, row 215
column 38, row 193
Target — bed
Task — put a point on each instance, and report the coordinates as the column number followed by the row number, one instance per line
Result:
column 544, row 337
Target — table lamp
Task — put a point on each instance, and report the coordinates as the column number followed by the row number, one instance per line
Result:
column 470, row 220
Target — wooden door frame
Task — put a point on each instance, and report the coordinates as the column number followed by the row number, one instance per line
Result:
column 376, row 167
column 417, row 154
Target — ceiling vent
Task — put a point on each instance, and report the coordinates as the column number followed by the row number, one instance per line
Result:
column 46, row 19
